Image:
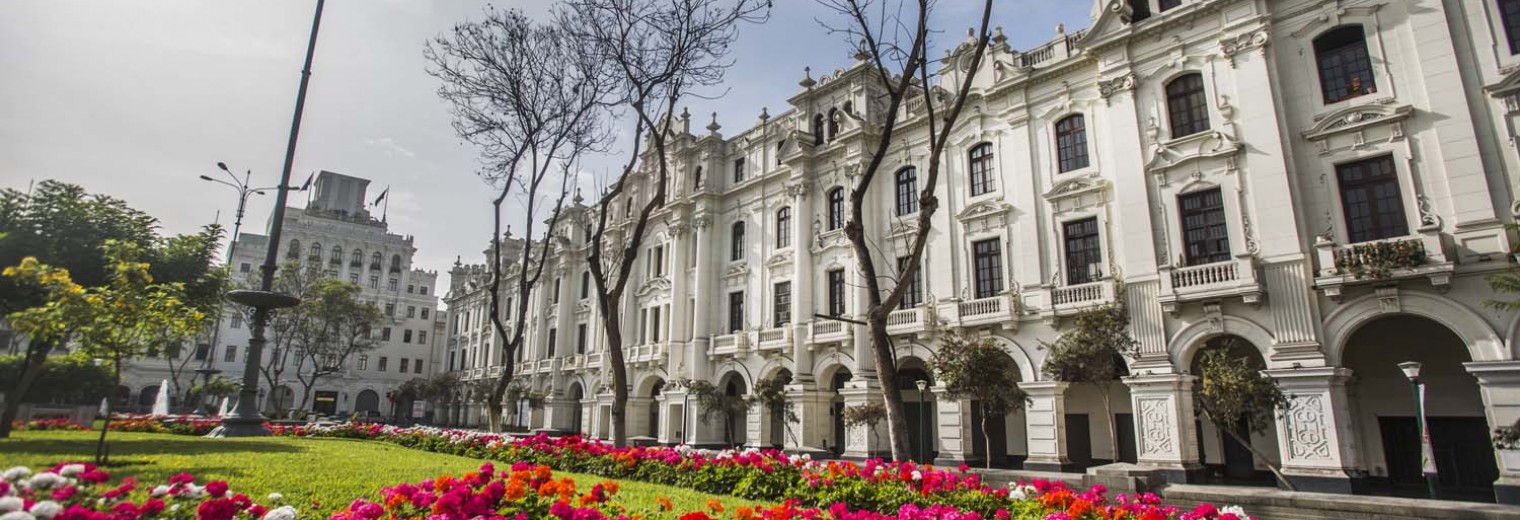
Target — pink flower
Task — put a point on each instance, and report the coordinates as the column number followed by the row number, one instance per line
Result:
column 216, row 488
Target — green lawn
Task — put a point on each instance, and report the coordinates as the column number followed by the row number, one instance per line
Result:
column 328, row 472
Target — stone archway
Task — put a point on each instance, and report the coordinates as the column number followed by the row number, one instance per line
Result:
column 367, row 401
column 735, row 429
column 1222, row 454
column 1383, row 404
column 1007, row 433
column 576, row 394
column 918, row 406
column 836, row 379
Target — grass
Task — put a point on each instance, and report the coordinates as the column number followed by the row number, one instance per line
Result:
column 315, row 475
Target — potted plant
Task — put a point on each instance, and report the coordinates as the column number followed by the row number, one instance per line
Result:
column 1507, row 441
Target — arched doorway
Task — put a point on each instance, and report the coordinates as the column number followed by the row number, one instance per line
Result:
column 146, row 397
column 1007, row 433
column 776, row 419
column 836, row 383
column 1383, row 404
column 1089, row 439
column 1227, row 459
column 367, row 401
column 576, row 395
column 654, row 407
column 734, row 390
column 122, row 396
column 918, row 407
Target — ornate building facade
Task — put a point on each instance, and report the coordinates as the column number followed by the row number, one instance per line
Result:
column 336, row 235
column 1321, row 185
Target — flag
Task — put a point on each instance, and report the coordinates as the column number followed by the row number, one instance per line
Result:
column 381, row 197
column 307, row 185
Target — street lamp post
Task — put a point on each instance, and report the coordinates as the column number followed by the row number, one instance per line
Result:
column 923, row 436
column 245, row 420
column 1411, row 370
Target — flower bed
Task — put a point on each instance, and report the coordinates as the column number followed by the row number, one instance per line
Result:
column 39, row 425
column 75, row 491
column 842, row 489
column 176, row 424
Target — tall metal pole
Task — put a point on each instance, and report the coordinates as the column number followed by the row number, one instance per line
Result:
column 245, row 420
column 1427, row 466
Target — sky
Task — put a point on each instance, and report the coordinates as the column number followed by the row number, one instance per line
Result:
column 137, row 99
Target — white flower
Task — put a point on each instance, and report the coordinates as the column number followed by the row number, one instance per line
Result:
column 17, row 515
column 159, row 491
column 174, row 507
column 918, row 475
column 276, row 497
column 1236, row 510
column 44, row 481
column 9, row 504
column 16, row 473
column 281, row 513
column 71, row 470
column 46, row 509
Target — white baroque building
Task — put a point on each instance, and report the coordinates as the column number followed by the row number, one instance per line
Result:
column 335, row 233
column 1324, row 184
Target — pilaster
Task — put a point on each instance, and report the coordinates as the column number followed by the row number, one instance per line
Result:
column 1167, row 436
column 862, row 442
column 1046, row 425
column 1316, row 452
column 955, row 433
column 814, row 428
column 1499, row 382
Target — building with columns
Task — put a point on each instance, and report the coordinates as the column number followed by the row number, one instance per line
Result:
column 336, row 235
column 1321, row 186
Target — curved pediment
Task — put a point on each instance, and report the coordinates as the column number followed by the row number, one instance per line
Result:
column 984, row 209
column 1356, row 117
column 1075, row 187
column 657, row 285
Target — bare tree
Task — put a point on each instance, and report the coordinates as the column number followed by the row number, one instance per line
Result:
column 894, row 39
column 341, row 326
column 657, row 50
column 288, row 328
column 528, row 97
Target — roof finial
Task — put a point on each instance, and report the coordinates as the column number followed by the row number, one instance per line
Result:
column 765, row 114
column 807, row 78
column 860, row 51
column 714, row 126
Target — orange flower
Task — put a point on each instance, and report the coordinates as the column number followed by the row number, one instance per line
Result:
column 744, row 513
column 611, row 487
column 664, row 503
column 395, row 501
column 714, row 505
column 1078, row 508
column 516, row 489
column 541, row 472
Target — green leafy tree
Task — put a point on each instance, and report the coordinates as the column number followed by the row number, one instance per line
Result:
column 977, row 369
column 216, row 389
column 57, row 295
column 770, row 392
column 865, row 414
column 1235, row 392
column 191, row 259
column 1093, row 353
column 1506, row 282
column 288, row 329
column 713, row 403
column 341, row 326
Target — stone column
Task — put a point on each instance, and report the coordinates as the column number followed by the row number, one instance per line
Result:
column 696, row 352
column 860, row 441
column 802, row 284
column 680, row 294
column 813, row 429
column 956, row 433
column 754, row 423
column 1166, row 434
column 1313, row 436
column 1499, row 381
column 1046, row 425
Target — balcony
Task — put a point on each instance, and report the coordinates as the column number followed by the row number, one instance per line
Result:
column 594, row 360
column 775, row 339
column 647, row 354
column 1422, row 255
column 545, row 366
column 574, row 362
column 906, row 321
column 1075, row 299
column 830, row 331
column 999, row 309
column 1237, row 277
column 727, row 345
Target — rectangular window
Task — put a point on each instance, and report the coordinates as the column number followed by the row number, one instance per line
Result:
column 836, row 292
column 411, row 288
column 406, row 336
column 392, row 285
column 390, row 310
column 988, row 258
column 1139, row 10
column 585, row 284
column 245, row 267
column 914, row 294
column 201, row 351
column 556, row 290
column 553, row 338
column 1083, row 255
column 1205, row 234
column 374, row 282
column 237, row 321
column 411, row 311
column 981, row 170
column 425, row 313
column 654, row 321
column 736, row 311
column 783, row 304
column 1169, row 4
column 1509, row 13
column 1371, row 200
column 417, row 366
column 422, row 337
column 383, row 361
column 580, row 339
column 385, row 334
column 231, row 354
column 738, row 170
column 353, row 278
column 364, row 361
column 403, row 364
column 423, row 290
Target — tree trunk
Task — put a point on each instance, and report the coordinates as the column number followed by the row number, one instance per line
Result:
column 613, row 326
column 1108, row 418
column 31, row 367
column 101, row 454
column 886, row 372
column 1276, row 471
column 986, row 440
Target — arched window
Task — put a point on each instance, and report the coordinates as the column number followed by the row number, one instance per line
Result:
column 374, row 261
column 1345, row 70
column 294, row 251
column 696, row 179
column 1187, row 105
column 356, row 259
column 316, row 252
column 1071, row 143
column 780, row 149
column 836, row 209
column 736, row 242
column 395, row 263
column 981, row 169
column 817, row 129
column 337, row 255
column 833, row 123
column 784, row 227
column 907, row 191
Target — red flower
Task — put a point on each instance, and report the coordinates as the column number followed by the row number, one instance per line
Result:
column 217, row 509
column 64, row 493
column 696, row 515
column 152, row 507
column 217, row 488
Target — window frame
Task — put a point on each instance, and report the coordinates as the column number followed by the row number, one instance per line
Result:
column 834, row 211
column 906, row 182
column 736, row 242
column 987, row 267
column 1509, row 23
column 981, row 169
column 1069, row 259
column 784, row 227
column 1072, row 152
column 1196, row 99
column 914, row 295
column 1211, row 249
column 1399, row 227
column 835, row 284
column 735, row 312
column 781, row 303
column 1349, row 61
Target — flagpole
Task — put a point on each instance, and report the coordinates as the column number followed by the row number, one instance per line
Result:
column 386, row 211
